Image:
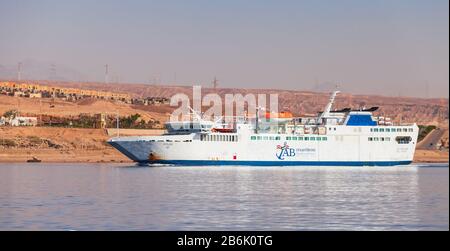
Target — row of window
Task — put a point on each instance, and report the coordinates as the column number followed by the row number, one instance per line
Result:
column 391, row 130
column 379, row 139
column 213, row 137
column 403, row 139
column 289, row 138
column 399, row 139
column 265, row 137
column 308, row 138
column 167, row 140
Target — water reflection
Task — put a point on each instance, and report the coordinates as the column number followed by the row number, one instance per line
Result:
column 112, row 197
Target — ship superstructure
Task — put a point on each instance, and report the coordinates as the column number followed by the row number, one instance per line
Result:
column 332, row 138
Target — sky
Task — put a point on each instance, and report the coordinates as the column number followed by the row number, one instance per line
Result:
column 395, row 47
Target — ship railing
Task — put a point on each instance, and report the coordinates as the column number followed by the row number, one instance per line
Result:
column 395, row 124
column 230, row 119
column 406, row 124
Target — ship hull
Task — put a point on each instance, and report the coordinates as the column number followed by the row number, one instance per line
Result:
column 331, row 150
column 275, row 163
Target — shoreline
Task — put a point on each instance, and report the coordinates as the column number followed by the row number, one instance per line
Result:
column 112, row 156
column 52, row 156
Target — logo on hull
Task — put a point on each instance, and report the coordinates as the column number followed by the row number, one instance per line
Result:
column 284, row 151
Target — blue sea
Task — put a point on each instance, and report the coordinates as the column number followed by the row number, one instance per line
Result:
column 42, row 196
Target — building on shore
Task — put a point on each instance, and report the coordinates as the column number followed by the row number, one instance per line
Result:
column 23, row 121
column 73, row 94
column 2, row 121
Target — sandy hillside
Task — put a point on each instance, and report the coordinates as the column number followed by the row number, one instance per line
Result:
column 58, row 107
column 56, row 145
column 400, row 109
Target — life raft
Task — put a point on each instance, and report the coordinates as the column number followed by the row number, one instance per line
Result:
column 279, row 115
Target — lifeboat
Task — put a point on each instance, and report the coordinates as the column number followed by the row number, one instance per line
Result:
column 223, row 130
column 279, row 115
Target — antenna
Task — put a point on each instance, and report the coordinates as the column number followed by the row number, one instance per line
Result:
column 215, row 83
column 327, row 110
column 106, row 73
column 19, row 69
column 52, row 72
column 118, row 119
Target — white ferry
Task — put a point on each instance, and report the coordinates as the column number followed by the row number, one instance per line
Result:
column 332, row 138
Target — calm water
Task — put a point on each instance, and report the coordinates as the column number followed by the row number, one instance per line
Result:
column 119, row 197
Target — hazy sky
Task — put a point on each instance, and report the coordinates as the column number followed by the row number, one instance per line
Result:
column 374, row 47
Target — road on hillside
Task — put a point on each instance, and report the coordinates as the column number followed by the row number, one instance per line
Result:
column 431, row 140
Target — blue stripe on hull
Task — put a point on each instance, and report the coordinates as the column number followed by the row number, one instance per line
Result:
column 278, row 163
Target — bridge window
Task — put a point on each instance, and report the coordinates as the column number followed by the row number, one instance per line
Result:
column 403, row 139
column 288, row 138
column 306, row 138
column 410, row 129
column 381, row 129
column 388, row 130
column 312, row 138
column 375, row 129
column 405, row 130
column 300, row 138
column 277, row 138
column 294, row 138
column 370, row 139
column 324, row 138
column 253, row 137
